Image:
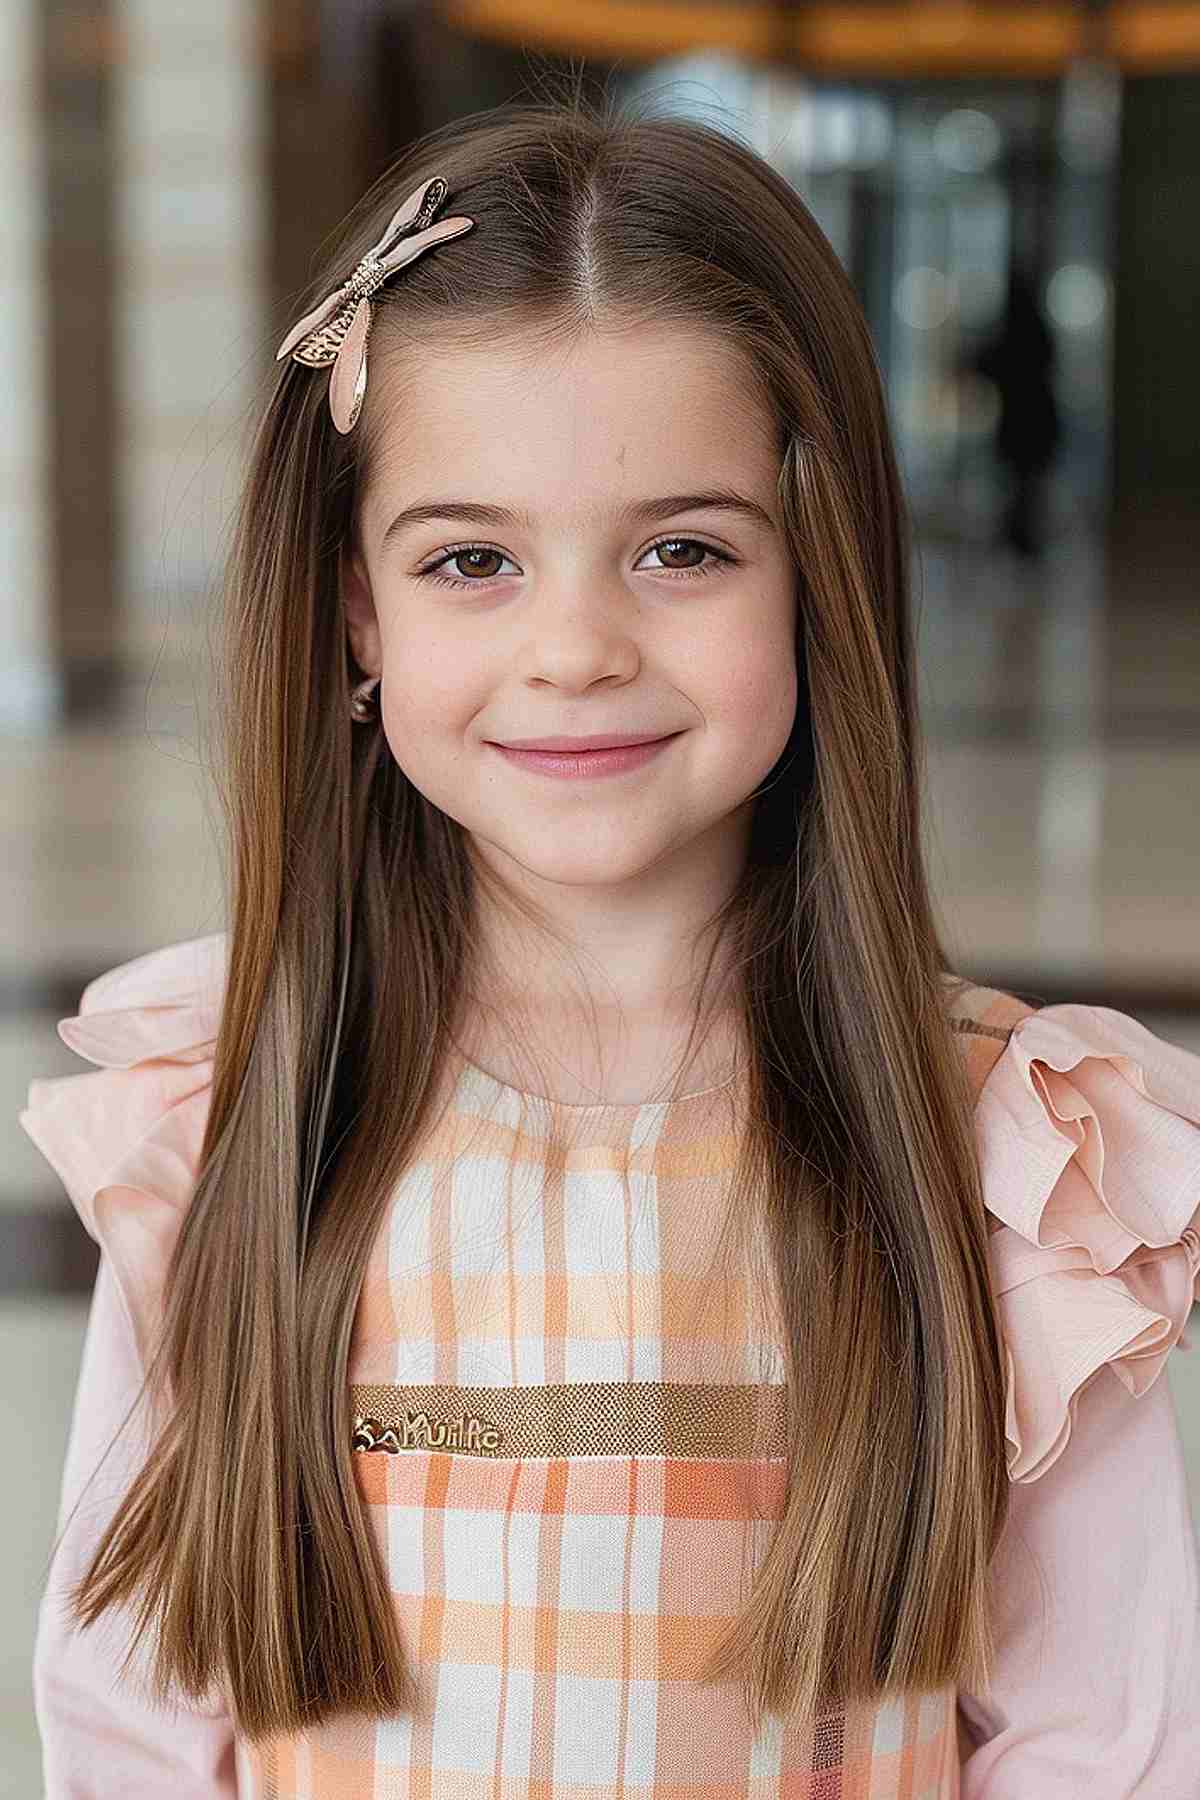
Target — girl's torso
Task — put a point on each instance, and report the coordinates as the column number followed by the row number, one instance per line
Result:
column 568, row 1429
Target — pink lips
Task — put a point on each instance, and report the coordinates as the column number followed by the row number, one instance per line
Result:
column 596, row 740
column 613, row 760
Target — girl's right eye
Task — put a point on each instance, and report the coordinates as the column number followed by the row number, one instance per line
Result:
column 431, row 570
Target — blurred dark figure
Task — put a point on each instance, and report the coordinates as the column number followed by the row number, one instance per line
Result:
column 1019, row 359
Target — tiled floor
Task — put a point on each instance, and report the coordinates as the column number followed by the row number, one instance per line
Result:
column 1063, row 837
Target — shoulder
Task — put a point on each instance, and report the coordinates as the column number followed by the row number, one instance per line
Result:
column 1087, row 1127
column 983, row 1019
column 125, row 1136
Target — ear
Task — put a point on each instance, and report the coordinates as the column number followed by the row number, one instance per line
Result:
column 362, row 624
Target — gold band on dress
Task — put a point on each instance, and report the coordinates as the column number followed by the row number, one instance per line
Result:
column 574, row 1418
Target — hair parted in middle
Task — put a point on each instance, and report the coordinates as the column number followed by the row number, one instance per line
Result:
column 351, row 907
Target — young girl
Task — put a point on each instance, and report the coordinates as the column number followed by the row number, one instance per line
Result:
column 619, row 1316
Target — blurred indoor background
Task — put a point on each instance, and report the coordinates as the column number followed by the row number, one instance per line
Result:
column 1012, row 190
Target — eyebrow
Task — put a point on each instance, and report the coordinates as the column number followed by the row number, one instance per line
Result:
column 636, row 512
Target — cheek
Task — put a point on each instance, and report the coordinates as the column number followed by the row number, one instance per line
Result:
column 755, row 697
column 430, row 690
column 749, row 678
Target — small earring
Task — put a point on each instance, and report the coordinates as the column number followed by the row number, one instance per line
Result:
column 361, row 709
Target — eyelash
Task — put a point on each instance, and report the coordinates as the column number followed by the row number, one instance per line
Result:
column 430, row 570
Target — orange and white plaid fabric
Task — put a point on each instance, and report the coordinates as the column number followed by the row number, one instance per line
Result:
column 548, row 1298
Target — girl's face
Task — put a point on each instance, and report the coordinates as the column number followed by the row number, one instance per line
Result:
column 569, row 567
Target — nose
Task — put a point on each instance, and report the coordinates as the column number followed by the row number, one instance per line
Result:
column 576, row 639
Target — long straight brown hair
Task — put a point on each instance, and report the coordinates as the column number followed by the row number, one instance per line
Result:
column 243, row 1541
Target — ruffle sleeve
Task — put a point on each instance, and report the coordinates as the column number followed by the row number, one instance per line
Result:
column 1088, row 1131
column 125, row 1138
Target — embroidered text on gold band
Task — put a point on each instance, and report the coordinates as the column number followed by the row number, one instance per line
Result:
column 574, row 1418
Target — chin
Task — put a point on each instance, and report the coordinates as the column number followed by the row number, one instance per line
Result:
column 579, row 864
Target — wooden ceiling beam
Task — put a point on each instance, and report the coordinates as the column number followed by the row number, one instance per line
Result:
column 934, row 37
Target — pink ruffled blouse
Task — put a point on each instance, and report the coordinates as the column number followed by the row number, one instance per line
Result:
column 1088, row 1132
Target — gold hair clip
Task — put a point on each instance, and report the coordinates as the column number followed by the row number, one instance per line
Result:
column 336, row 331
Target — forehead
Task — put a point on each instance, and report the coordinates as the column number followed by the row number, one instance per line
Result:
column 568, row 426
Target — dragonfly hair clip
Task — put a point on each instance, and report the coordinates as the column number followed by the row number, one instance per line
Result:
column 336, row 331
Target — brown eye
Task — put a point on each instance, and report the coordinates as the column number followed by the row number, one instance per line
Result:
column 462, row 557
column 468, row 557
column 668, row 547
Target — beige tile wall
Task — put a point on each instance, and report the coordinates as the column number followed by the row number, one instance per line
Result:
column 190, row 129
column 28, row 687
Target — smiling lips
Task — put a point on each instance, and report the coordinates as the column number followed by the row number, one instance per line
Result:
column 596, row 740
column 607, row 756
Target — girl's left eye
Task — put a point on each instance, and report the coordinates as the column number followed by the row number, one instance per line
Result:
column 700, row 568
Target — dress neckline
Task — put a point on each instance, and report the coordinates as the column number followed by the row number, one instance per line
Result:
column 583, row 1108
